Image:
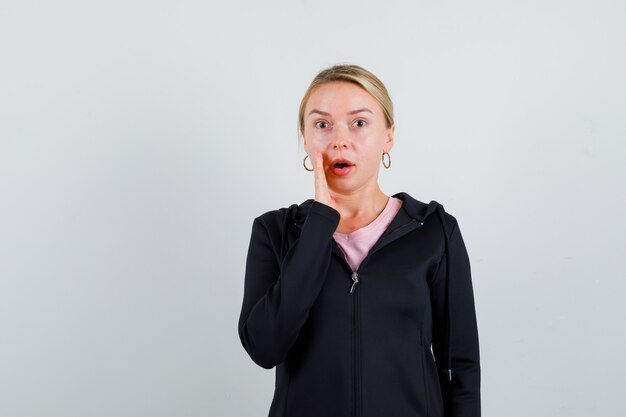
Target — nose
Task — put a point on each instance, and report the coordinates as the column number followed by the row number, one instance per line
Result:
column 340, row 140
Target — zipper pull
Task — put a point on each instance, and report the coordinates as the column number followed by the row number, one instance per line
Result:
column 355, row 278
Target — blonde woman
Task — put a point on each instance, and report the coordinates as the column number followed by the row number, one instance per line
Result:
column 362, row 301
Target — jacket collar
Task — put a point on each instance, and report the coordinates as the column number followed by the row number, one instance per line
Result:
column 411, row 209
column 416, row 209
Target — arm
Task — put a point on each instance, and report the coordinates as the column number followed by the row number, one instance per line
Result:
column 278, row 294
column 461, row 394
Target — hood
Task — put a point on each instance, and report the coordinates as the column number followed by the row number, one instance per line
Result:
column 411, row 209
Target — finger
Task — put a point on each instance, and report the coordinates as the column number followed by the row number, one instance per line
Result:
column 319, row 168
column 321, row 187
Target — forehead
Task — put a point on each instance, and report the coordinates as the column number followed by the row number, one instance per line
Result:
column 339, row 97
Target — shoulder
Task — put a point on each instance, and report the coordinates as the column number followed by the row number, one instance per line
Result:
column 275, row 216
column 293, row 213
column 298, row 213
column 278, row 222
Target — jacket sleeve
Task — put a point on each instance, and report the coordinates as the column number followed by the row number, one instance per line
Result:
column 278, row 294
column 460, row 385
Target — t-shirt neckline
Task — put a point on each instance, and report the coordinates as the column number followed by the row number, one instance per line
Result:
column 363, row 230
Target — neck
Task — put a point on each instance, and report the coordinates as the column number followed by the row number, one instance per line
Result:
column 365, row 202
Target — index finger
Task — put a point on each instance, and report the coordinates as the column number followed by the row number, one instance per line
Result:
column 319, row 167
column 319, row 163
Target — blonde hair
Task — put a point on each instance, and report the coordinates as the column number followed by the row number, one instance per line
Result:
column 353, row 74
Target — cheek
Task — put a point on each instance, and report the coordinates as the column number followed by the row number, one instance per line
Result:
column 310, row 147
column 315, row 140
column 372, row 154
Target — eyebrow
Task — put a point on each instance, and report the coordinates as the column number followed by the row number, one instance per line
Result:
column 323, row 113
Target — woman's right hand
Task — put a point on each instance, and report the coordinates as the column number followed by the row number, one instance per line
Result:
column 322, row 193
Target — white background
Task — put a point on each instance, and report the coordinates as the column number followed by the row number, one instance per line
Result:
column 139, row 139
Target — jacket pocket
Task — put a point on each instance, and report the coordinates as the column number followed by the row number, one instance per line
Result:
column 425, row 382
column 434, row 398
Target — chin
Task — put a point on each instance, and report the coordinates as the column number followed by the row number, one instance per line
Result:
column 342, row 186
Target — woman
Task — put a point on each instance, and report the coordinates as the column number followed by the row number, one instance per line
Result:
column 362, row 301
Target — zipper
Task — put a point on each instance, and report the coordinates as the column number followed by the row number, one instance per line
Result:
column 355, row 280
column 356, row 334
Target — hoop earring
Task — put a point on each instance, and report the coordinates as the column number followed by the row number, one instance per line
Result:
column 304, row 164
column 388, row 164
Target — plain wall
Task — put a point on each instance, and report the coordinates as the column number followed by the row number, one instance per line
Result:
column 139, row 139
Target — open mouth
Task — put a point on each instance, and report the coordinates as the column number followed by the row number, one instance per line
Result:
column 341, row 168
column 341, row 165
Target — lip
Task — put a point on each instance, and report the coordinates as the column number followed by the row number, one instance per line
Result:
column 344, row 160
column 340, row 172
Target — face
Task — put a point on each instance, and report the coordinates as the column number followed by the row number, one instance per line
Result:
column 343, row 121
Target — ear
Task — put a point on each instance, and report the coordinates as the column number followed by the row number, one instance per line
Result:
column 389, row 139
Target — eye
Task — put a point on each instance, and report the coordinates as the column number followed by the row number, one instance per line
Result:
column 360, row 123
column 321, row 124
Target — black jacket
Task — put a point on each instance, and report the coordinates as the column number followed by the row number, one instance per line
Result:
column 358, row 343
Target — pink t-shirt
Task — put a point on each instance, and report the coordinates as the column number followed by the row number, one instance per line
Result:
column 356, row 245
